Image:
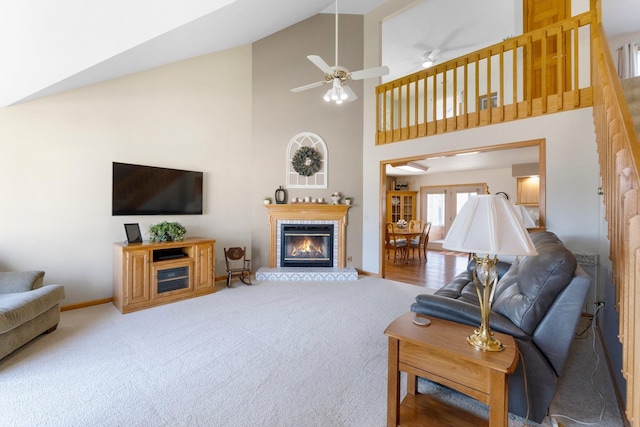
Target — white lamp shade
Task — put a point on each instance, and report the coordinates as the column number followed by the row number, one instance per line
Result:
column 526, row 217
column 489, row 224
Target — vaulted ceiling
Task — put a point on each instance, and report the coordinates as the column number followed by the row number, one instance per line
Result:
column 57, row 46
column 50, row 47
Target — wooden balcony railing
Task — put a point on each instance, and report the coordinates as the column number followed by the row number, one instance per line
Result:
column 541, row 72
column 619, row 154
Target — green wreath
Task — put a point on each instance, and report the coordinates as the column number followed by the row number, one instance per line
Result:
column 306, row 161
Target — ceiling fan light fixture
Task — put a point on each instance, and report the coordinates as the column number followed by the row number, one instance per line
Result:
column 429, row 58
column 327, row 96
column 337, row 93
column 338, row 96
column 414, row 167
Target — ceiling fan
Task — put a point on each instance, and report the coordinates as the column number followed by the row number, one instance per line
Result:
column 442, row 51
column 429, row 58
column 338, row 76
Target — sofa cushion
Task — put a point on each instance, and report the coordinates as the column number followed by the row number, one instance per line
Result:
column 528, row 289
column 462, row 286
column 20, row 281
column 20, row 307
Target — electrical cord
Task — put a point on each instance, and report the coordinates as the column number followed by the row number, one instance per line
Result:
column 580, row 334
column 594, row 320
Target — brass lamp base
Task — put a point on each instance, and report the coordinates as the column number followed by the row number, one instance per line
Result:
column 484, row 343
column 485, row 278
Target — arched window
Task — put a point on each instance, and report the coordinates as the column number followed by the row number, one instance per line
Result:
column 307, row 161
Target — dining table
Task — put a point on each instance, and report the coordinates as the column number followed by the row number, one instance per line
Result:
column 409, row 234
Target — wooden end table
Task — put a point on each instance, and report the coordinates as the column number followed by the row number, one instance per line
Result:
column 440, row 353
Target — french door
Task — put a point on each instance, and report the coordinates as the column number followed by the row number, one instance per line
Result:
column 440, row 205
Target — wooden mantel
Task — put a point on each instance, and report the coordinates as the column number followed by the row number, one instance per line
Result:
column 308, row 211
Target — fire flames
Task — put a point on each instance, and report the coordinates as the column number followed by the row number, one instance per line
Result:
column 307, row 249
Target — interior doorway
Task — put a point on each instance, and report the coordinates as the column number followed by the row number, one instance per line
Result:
column 440, row 169
column 440, row 206
column 539, row 14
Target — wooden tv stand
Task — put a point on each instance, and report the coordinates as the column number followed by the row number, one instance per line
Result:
column 151, row 274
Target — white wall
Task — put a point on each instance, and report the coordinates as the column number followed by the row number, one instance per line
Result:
column 497, row 180
column 57, row 152
column 617, row 42
column 572, row 203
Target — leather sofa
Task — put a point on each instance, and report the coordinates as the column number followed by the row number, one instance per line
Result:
column 27, row 308
column 538, row 301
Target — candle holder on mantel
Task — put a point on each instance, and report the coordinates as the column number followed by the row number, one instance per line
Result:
column 280, row 196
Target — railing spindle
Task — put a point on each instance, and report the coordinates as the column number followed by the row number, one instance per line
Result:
column 560, row 67
column 477, row 94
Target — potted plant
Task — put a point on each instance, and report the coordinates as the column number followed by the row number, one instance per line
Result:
column 167, row 232
column 267, row 200
column 347, row 200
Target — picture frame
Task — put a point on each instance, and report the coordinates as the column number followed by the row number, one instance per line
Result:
column 133, row 233
column 493, row 98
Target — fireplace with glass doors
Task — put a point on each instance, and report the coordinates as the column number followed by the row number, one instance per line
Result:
column 306, row 245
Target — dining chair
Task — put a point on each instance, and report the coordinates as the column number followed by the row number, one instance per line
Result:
column 420, row 242
column 392, row 242
column 415, row 224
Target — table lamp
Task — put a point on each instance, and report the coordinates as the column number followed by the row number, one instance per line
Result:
column 527, row 218
column 488, row 224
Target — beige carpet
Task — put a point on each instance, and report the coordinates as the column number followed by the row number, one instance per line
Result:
column 273, row 354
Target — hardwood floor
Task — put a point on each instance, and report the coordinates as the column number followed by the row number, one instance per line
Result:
column 439, row 269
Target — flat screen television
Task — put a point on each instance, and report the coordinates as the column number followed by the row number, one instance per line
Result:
column 150, row 190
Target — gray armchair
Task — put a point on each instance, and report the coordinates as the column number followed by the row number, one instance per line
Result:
column 538, row 301
column 27, row 308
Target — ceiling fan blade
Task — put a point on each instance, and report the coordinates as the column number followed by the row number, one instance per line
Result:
column 370, row 72
column 434, row 54
column 320, row 63
column 309, row 86
column 351, row 94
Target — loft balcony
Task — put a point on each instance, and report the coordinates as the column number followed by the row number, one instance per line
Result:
column 544, row 71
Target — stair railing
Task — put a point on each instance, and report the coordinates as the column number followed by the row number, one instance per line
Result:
column 619, row 154
column 541, row 72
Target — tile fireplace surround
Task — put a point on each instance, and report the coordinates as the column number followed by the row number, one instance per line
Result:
column 311, row 213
